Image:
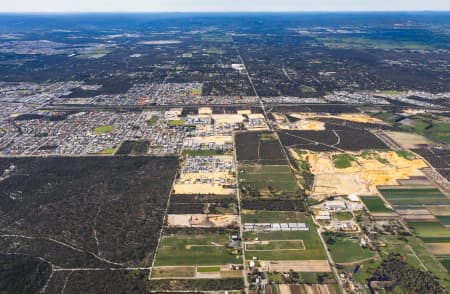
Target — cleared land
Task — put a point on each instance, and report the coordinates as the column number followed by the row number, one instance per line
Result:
column 268, row 182
column 259, row 148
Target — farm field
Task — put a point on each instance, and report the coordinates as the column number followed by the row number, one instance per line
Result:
column 375, row 205
column 430, row 229
column 414, row 197
column 268, row 182
column 196, row 249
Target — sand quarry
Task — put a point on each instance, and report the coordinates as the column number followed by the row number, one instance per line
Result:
column 354, row 117
column 364, row 174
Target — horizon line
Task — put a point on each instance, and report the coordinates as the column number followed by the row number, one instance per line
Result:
column 217, row 11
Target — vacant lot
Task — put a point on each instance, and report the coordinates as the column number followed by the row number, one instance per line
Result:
column 259, row 148
column 75, row 211
column 268, row 182
column 413, row 197
column 196, row 249
column 133, row 148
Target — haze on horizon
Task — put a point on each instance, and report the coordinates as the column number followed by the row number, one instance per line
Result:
column 221, row 5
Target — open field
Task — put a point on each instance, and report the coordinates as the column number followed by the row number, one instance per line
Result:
column 257, row 216
column 313, row 248
column 268, row 182
column 276, row 245
column 99, row 193
column 408, row 140
column 103, row 129
column 346, row 250
column 196, row 249
column 413, row 197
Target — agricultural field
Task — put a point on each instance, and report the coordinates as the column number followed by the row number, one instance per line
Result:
column 430, row 229
column 259, row 148
column 268, row 182
column 402, row 197
column 375, row 205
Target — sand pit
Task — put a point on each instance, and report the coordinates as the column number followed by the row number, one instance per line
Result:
column 367, row 171
column 354, row 117
column 202, row 221
column 296, row 265
column 408, row 140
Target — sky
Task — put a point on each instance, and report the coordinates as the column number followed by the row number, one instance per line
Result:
column 219, row 5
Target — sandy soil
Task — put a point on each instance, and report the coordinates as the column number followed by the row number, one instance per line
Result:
column 364, row 174
column 355, row 117
column 438, row 248
column 214, row 189
column 202, row 220
column 296, row 265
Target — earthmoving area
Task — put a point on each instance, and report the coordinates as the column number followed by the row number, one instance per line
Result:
column 360, row 173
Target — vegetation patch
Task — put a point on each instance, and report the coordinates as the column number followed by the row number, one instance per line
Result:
column 103, row 130
column 343, row 160
column 268, row 182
